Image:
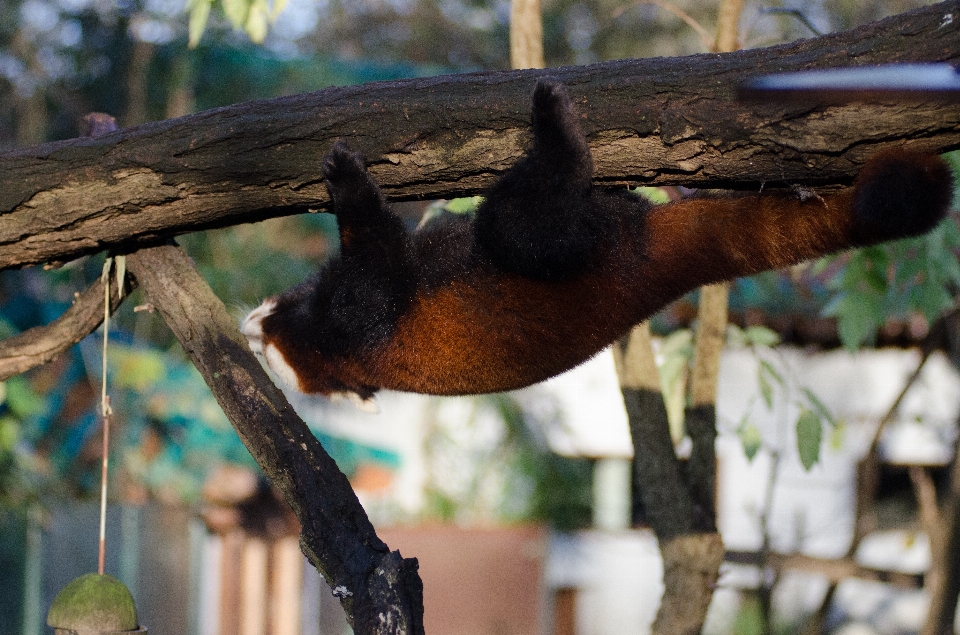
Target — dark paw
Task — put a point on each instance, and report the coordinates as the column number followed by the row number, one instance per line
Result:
column 551, row 102
column 342, row 164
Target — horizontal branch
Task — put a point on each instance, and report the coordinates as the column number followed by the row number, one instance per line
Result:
column 651, row 121
column 833, row 569
column 43, row 344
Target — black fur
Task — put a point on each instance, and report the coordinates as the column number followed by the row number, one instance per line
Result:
column 542, row 219
column 370, row 283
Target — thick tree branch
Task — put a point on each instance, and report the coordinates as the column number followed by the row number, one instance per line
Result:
column 381, row 591
column 42, row 344
column 654, row 121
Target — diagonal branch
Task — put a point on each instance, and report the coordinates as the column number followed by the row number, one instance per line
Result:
column 380, row 591
column 652, row 121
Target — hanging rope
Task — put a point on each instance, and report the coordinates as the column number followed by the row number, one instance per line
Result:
column 119, row 264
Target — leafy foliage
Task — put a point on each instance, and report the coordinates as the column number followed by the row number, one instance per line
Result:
column 918, row 275
column 774, row 377
column 252, row 16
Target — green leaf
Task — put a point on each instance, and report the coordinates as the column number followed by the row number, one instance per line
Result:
column 655, row 195
column 766, row 390
column 465, row 205
column 761, row 336
column 278, row 6
column 199, row 14
column 767, row 368
column 809, row 436
column 932, row 299
column 735, row 337
column 948, row 265
column 822, row 411
column 750, row 439
column 837, row 436
column 858, row 316
column 258, row 20
column 236, row 12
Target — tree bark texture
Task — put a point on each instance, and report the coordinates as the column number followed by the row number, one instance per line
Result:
column 380, row 591
column 651, row 121
column 691, row 567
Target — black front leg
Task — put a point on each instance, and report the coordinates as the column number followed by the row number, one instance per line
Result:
column 362, row 292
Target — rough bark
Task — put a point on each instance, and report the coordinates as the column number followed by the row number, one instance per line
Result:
column 653, row 121
column 691, row 567
column 942, row 522
column 380, row 591
column 701, row 417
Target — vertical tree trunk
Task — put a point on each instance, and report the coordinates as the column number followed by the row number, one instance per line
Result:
column 526, row 34
column 943, row 579
column 180, row 101
column 137, row 82
column 659, row 486
column 691, row 556
column 728, row 26
column 943, row 527
column 31, row 109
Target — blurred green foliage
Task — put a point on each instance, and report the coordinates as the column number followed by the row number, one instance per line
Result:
column 913, row 276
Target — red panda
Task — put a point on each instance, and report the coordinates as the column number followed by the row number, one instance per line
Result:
column 551, row 270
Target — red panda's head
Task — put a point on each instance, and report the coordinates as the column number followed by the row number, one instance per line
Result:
column 278, row 335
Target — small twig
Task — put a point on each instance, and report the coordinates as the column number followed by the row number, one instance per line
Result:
column 796, row 13
column 931, row 519
column 888, row 417
column 105, row 411
column 705, row 37
column 43, row 344
column 104, row 465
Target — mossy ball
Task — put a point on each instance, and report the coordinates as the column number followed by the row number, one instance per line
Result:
column 94, row 603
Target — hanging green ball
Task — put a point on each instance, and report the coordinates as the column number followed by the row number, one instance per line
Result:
column 94, row 603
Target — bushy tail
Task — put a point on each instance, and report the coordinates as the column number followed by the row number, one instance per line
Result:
column 900, row 193
column 698, row 241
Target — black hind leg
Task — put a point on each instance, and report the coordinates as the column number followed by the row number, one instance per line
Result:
column 363, row 291
column 538, row 220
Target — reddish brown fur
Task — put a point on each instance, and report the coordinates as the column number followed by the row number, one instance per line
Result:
column 479, row 337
